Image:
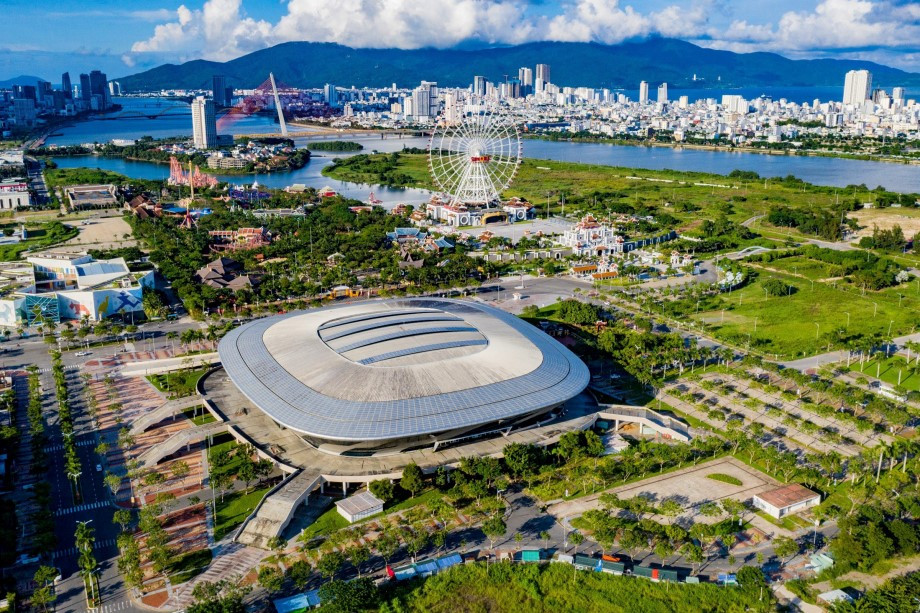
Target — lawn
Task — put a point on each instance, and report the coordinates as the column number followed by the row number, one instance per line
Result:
column 325, row 524
column 185, row 567
column 889, row 369
column 203, row 416
column 178, row 384
column 38, row 237
column 801, row 324
column 803, row 266
column 234, row 509
column 331, row 520
column 689, row 196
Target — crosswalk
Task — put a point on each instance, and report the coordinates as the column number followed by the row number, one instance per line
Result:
column 86, row 442
column 42, row 371
column 72, row 552
column 83, row 507
column 112, row 607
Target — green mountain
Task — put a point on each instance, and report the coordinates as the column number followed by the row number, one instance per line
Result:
column 304, row 64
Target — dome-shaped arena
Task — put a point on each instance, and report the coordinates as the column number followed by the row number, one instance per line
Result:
column 415, row 369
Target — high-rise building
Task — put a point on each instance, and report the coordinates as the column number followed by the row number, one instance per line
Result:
column 525, row 77
column 66, row 87
column 114, row 88
column 330, row 95
column 86, row 91
column 515, row 89
column 479, row 86
column 643, row 92
column 24, row 110
column 543, row 73
column 220, row 92
column 25, row 92
column 662, row 93
column 99, row 86
column 857, row 87
column 204, row 123
column 897, row 94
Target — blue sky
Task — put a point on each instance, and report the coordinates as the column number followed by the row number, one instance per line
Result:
column 126, row 36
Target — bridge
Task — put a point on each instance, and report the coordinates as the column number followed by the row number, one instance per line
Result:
column 179, row 440
column 168, row 409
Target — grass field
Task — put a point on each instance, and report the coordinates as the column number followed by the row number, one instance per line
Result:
column 202, row 417
column 39, row 237
column 178, row 384
column 185, row 567
column 800, row 324
column 689, row 196
column 887, row 369
column 235, row 508
column 809, row 269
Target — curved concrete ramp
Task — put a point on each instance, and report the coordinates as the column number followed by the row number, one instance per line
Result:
column 178, row 440
column 277, row 508
column 164, row 411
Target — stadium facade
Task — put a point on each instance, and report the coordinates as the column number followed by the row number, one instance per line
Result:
column 401, row 375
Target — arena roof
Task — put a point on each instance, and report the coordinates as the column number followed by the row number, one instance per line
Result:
column 398, row 368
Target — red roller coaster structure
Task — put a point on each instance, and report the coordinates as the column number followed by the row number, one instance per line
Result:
column 195, row 178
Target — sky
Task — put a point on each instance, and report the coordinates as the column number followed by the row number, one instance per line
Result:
column 122, row 37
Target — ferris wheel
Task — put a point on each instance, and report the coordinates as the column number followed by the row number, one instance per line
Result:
column 474, row 160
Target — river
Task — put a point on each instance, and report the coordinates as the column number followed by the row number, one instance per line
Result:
column 835, row 172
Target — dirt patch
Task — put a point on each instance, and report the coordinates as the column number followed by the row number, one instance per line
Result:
column 908, row 219
column 102, row 233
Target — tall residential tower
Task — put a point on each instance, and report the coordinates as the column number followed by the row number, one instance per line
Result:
column 204, row 123
column 857, row 87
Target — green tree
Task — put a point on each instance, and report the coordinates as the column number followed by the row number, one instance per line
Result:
column 382, row 489
column 330, row 564
column 300, row 572
column 412, row 479
column 494, row 528
column 270, row 578
column 122, row 517
column 785, row 547
column 348, row 596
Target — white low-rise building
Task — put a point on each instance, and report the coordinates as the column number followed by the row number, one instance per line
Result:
column 359, row 506
column 786, row 500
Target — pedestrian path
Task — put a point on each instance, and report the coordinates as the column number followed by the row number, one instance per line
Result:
column 42, row 371
column 82, row 507
column 81, row 443
column 113, row 606
column 72, row 552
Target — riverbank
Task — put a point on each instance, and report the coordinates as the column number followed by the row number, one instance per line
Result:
column 295, row 162
column 678, row 146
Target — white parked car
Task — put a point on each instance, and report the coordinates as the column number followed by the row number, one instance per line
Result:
column 83, row 353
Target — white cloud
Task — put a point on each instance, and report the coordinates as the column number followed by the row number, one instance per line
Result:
column 222, row 30
column 833, row 24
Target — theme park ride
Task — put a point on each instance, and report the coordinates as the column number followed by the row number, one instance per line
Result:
column 475, row 159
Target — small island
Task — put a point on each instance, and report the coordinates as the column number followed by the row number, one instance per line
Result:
column 334, row 145
column 242, row 156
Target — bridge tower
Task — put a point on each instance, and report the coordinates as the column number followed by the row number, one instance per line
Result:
column 284, row 132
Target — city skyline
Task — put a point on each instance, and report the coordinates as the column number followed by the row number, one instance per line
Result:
column 219, row 30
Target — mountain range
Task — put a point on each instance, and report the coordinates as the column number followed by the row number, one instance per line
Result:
column 306, row 64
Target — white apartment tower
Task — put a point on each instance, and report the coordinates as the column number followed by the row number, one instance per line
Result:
column 857, row 87
column 543, row 72
column 204, row 123
column 662, row 93
column 643, row 92
column 525, row 76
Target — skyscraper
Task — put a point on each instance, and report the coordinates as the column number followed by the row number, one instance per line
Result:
column 66, row 87
column 204, row 123
column 662, row 93
column 99, row 86
column 86, row 92
column 543, row 72
column 479, row 85
column 643, row 92
column 330, row 95
column 525, row 76
column 220, row 92
column 857, row 86
column 897, row 94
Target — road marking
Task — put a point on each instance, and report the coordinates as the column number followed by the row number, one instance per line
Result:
column 82, row 507
column 72, row 552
